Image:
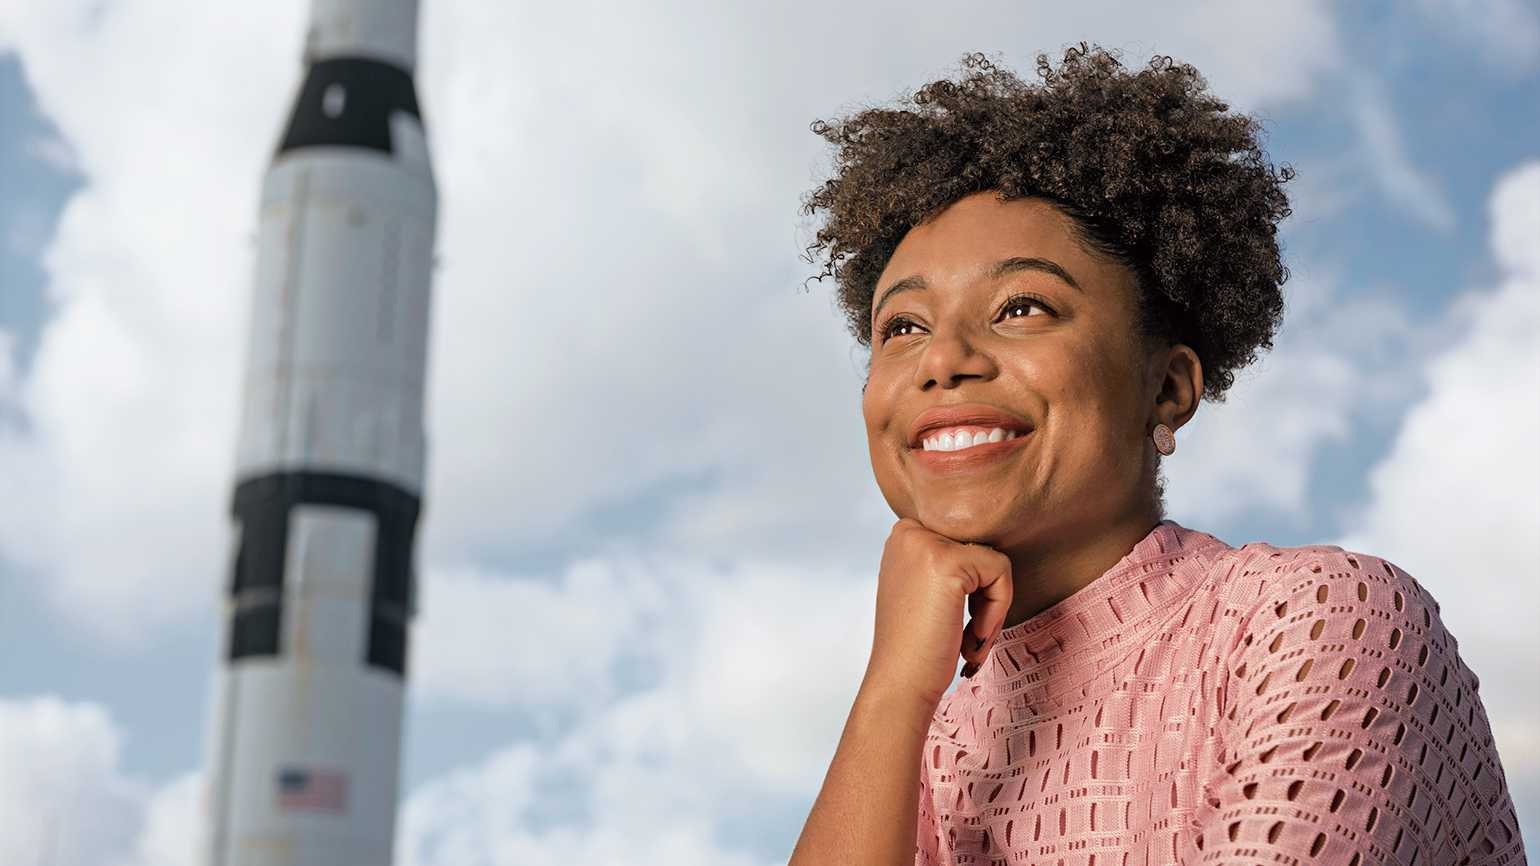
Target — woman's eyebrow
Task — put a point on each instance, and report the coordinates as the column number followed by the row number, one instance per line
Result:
column 1031, row 263
column 912, row 283
column 915, row 282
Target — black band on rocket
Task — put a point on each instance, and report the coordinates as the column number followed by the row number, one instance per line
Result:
column 347, row 102
column 263, row 504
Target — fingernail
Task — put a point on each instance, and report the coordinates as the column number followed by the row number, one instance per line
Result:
column 969, row 670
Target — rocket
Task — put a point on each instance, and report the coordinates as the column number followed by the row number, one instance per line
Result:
column 303, row 730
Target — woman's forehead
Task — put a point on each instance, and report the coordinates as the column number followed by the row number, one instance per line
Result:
column 965, row 242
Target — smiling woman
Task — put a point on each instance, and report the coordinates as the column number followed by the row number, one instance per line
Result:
column 1050, row 279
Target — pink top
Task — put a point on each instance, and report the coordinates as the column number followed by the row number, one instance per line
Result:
column 1200, row 703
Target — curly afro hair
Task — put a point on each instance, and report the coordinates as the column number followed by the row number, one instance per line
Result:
column 1154, row 172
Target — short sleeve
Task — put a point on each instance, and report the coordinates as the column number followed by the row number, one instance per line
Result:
column 1351, row 731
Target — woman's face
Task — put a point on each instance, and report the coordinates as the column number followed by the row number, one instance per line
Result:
column 951, row 330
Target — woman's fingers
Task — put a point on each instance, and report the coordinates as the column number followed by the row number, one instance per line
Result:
column 926, row 585
column 988, row 603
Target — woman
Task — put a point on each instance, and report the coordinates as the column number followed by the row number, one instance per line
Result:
column 1050, row 277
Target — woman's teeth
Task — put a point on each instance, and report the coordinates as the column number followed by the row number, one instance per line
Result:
column 957, row 440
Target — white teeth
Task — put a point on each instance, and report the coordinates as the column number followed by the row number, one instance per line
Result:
column 950, row 441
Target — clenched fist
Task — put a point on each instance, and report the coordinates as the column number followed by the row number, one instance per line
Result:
column 923, row 584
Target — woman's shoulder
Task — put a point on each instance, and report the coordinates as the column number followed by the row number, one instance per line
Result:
column 1306, row 593
column 1260, row 578
column 1344, row 692
column 1320, row 601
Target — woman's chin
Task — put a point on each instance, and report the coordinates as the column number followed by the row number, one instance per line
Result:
column 965, row 525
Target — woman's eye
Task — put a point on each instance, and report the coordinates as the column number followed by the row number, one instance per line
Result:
column 894, row 327
column 1023, row 304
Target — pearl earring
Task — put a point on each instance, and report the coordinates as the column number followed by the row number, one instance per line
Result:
column 1165, row 439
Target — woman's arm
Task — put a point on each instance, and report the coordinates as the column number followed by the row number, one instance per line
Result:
column 867, row 810
column 1353, row 732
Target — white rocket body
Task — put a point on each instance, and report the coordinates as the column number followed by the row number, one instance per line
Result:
column 304, row 729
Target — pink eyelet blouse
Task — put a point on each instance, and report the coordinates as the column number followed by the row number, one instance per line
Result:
column 1201, row 703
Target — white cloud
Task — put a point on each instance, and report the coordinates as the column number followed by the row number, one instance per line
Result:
column 1337, row 359
column 1515, row 216
column 9, row 378
column 26, row 230
column 1503, row 34
column 489, row 814
column 61, row 799
column 1383, row 155
column 172, row 828
column 618, row 249
column 485, row 816
column 754, row 679
column 1325, row 186
column 65, row 801
column 778, row 638
column 1255, row 56
column 1456, row 500
column 500, row 642
column 710, row 190
column 131, row 400
column 54, row 152
column 727, row 647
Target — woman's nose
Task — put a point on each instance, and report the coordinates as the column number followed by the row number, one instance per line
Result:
column 951, row 358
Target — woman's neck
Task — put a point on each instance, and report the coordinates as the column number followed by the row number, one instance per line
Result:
column 1045, row 574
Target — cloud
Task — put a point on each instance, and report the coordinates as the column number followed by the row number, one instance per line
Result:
column 1326, row 188
column 65, row 801
column 1454, row 500
column 54, row 152
column 1338, row 359
column 9, row 378
column 749, row 687
column 131, row 399
column 618, row 250
column 497, row 641
column 490, row 815
column 733, row 726
column 1384, row 156
column 58, row 777
column 172, row 826
column 480, row 817
column 1255, row 57
column 1515, row 217
column 1503, row 34
column 711, row 638
column 709, row 193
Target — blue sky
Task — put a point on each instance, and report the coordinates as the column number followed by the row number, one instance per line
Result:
column 611, row 572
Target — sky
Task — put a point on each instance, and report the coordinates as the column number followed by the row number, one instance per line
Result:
column 650, row 539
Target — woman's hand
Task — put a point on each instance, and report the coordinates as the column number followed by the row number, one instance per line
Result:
column 923, row 583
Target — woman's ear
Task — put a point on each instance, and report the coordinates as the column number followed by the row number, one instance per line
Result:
column 1180, row 384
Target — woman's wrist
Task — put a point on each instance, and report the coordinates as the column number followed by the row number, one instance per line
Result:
column 896, row 703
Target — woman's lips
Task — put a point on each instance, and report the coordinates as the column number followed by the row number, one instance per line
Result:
column 982, row 415
column 968, row 459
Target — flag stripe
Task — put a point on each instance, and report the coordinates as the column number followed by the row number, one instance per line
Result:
column 304, row 789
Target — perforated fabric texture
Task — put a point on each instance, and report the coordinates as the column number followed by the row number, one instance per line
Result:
column 1201, row 703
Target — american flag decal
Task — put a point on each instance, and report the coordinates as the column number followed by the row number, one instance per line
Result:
column 303, row 789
